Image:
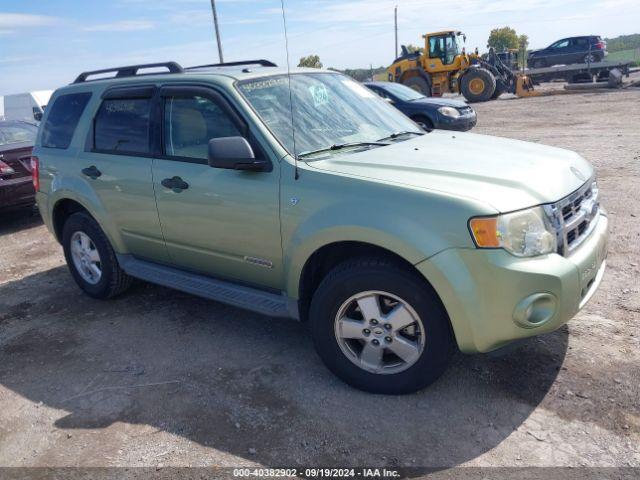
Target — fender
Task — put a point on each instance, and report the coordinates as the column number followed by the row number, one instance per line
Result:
column 338, row 222
column 295, row 262
column 76, row 189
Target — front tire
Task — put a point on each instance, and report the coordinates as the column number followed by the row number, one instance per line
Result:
column 379, row 327
column 423, row 122
column 539, row 64
column 478, row 85
column 91, row 259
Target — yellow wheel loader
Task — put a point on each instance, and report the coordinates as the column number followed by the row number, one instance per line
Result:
column 445, row 67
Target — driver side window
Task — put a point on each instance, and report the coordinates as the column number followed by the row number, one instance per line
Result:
column 190, row 122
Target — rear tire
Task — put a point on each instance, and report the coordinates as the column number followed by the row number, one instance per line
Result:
column 392, row 296
column 478, row 85
column 591, row 58
column 419, row 84
column 91, row 259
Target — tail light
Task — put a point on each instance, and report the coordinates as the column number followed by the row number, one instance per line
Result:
column 600, row 45
column 5, row 169
column 35, row 173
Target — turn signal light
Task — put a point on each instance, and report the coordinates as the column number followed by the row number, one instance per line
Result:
column 485, row 232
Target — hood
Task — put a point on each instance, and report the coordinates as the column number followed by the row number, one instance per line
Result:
column 440, row 102
column 504, row 174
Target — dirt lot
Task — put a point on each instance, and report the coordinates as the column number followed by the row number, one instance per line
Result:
column 158, row 378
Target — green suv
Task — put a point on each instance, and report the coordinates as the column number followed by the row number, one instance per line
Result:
column 302, row 194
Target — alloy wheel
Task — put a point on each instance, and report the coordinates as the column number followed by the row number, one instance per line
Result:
column 379, row 332
column 86, row 258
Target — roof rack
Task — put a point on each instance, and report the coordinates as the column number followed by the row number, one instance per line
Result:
column 262, row 62
column 130, row 71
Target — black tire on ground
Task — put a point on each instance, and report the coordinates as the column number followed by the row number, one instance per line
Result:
column 539, row 63
column 380, row 275
column 420, row 84
column 424, row 122
column 113, row 280
column 478, row 85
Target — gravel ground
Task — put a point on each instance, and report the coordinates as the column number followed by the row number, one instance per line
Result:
column 160, row 378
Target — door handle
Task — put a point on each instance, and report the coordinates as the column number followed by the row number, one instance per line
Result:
column 176, row 184
column 92, row 172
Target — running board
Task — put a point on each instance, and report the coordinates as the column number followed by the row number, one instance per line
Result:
column 230, row 293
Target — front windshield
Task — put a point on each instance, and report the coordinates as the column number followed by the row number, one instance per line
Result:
column 446, row 47
column 401, row 92
column 328, row 109
column 17, row 132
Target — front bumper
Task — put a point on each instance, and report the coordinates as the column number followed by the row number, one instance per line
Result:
column 16, row 193
column 488, row 292
column 460, row 124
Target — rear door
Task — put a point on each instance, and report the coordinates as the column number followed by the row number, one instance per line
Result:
column 224, row 223
column 579, row 48
column 117, row 164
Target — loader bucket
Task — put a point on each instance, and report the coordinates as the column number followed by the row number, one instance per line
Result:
column 524, row 86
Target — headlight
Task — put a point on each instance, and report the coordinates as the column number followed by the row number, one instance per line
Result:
column 449, row 112
column 525, row 233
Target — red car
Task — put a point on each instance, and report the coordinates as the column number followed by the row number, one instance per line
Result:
column 16, row 185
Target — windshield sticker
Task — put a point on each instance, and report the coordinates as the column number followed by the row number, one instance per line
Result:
column 262, row 84
column 319, row 94
column 364, row 92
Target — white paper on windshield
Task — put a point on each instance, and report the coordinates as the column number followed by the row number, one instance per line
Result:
column 319, row 94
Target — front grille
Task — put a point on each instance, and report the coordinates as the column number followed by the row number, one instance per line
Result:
column 575, row 216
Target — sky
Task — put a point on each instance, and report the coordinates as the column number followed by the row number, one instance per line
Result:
column 45, row 44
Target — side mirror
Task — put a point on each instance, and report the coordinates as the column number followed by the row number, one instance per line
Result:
column 37, row 116
column 234, row 153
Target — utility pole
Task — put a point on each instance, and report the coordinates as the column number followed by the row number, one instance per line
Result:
column 215, row 26
column 395, row 22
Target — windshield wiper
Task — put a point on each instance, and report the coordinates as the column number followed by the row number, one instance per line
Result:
column 340, row 146
column 395, row 135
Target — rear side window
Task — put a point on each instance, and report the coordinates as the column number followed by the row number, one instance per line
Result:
column 63, row 118
column 122, row 126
